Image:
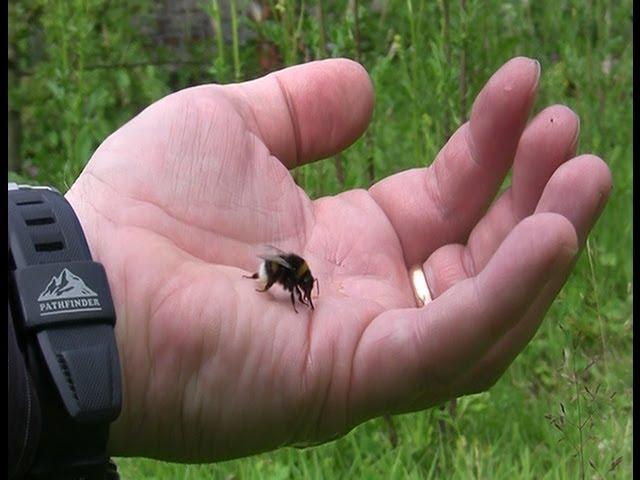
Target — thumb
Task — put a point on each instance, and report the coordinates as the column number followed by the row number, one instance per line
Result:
column 309, row 111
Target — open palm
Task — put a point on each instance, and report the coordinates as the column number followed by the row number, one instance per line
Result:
column 178, row 202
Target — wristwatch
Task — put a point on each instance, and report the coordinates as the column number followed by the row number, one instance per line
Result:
column 64, row 319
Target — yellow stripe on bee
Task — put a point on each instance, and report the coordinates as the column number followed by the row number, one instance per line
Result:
column 302, row 269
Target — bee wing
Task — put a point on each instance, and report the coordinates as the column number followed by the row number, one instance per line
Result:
column 277, row 259
column 271, row 250
column 274, row 254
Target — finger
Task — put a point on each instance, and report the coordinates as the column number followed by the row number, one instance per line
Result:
column 547, row 142
column 408, row 357
column 578, row 191
column 310, row 111
column 432, row 206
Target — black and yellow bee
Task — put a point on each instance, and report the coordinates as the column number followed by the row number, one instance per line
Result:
column 289, row 270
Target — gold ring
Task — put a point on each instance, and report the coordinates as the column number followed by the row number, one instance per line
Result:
column 420, row 287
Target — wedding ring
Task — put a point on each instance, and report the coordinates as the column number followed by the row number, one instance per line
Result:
column 420, row 287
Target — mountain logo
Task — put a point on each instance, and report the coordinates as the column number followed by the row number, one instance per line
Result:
column 67, row 293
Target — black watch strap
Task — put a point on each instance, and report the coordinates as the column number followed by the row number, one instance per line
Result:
column 65, row 319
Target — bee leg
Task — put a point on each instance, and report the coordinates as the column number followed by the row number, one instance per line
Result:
column 255, row 275
column 307, row 295
column 310, row 302
column 300, row 297
column 293, row 302
column 267, row 286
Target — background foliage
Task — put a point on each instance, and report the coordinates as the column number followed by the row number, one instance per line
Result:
column 79, row 69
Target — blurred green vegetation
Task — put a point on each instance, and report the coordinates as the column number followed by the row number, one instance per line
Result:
column 80, row 69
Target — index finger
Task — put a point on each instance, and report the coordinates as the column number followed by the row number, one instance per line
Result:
column 433, row 206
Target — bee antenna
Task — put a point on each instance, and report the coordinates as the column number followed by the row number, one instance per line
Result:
column 318, row 286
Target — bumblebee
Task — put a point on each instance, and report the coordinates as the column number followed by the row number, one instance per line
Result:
column 289, row 270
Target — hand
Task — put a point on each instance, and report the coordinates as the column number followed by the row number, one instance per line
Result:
column 176, row 202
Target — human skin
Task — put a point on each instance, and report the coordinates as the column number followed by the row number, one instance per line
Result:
column 176, row 203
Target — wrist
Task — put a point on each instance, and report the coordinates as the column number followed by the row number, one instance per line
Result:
column 96, row 227
column 64, row 317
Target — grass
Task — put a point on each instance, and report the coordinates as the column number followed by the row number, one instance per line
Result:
column 564, row 408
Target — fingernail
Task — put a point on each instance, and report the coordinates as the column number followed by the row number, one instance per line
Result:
column 576, row 136
column 566, row 259
column 538, row 69
column 603, row 198
column 538, row 66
